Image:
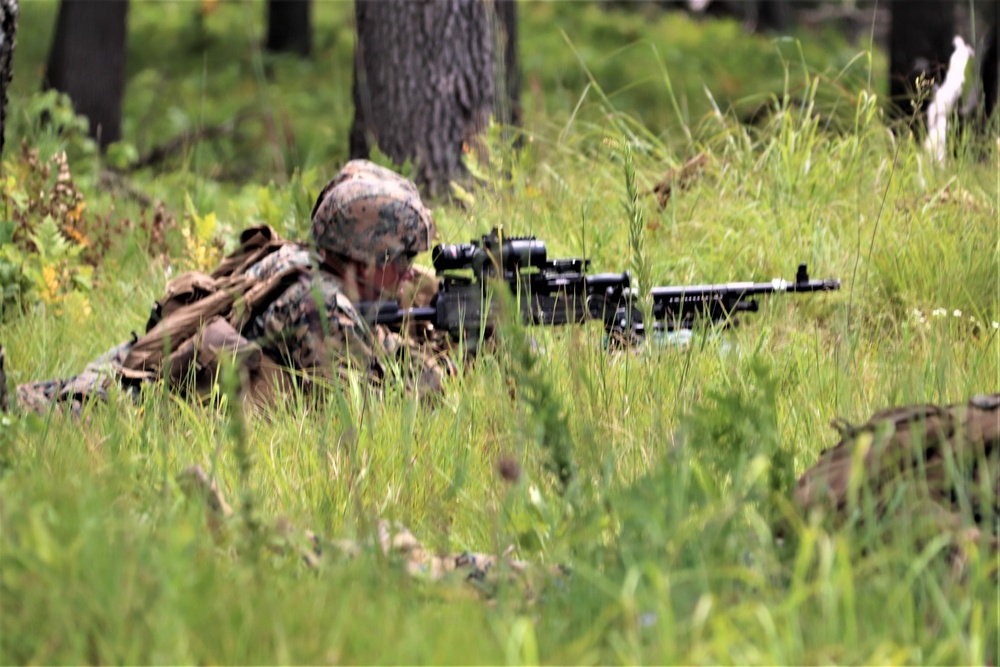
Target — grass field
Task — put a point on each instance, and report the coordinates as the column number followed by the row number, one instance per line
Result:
column 683, row 456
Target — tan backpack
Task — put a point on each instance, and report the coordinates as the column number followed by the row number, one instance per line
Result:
column 197, row 326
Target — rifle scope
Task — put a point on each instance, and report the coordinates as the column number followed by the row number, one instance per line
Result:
column 512, row 254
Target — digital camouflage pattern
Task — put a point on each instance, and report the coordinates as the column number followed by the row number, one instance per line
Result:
column 369, row 220
column 370, row 170
column 96, row 382
column 287, row 256
column 315, row 328
column 101, row 375
column 364, row 169
column 920, row 463
column 311, row 327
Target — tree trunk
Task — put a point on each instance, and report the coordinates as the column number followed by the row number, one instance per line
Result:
column 920, row 42
column 8, row 30
column 508, row 104
column 424, row 83
column 772, row 15
column 87, row 62
column 289, row 26
column 991, row 62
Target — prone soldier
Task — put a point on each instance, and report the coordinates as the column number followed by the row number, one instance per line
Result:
column 283, row 310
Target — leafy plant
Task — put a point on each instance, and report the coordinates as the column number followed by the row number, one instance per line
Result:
column 202, row 244
column 45, row 252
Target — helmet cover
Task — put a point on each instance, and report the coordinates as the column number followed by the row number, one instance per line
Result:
column 370, row 220
column 364, row 169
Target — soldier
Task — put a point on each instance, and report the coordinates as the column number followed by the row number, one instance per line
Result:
column 934, row 468
column 279, row 307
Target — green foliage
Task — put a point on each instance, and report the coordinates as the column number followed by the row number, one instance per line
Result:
column 43, row 243
column 666, row 70
column 733, row 436
column 634, row 214
column 49, row 120
column 407, row 169
column 546, row 412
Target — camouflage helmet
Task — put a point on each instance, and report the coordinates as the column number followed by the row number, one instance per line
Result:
column 364, row 169
column 372, row 220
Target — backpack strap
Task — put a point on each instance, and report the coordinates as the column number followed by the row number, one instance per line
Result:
column 145, row 359
column 257, row 298
column 182, row 291
column 202, row 316
column 255, row 244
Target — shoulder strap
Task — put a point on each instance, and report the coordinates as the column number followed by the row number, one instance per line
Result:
column 147, row 354
column 194, row 299
column 259, row 296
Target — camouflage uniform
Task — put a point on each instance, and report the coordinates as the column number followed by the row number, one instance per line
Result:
column 919, row 464
column 312, row 326
column 394, row 221
column 95, row 382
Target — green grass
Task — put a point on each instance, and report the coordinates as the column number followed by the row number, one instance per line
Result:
column 680, row 454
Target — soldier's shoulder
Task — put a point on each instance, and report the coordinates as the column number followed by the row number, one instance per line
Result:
column 319, row 289
column 286, row 257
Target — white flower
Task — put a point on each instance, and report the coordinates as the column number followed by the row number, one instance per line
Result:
column 957, row 313
column 939, row 312
column 996, row 325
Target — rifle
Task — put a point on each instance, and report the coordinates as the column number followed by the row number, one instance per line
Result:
column 680, row 307
column 549, row 292
column 559, row 291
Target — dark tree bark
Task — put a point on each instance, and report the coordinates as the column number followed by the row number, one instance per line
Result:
column 289, row 26
column 8, row 31
column 772, row 15
column 991, row 62
column 426, row 81
column 506, row 41
column 920, row 42
column 87, row 62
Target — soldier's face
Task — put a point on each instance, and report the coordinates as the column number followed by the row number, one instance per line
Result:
column 385, row 281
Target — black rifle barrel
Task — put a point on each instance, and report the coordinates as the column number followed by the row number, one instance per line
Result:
column 389, row 313
column 718, row 301
column 695, row 293
column 554, row 298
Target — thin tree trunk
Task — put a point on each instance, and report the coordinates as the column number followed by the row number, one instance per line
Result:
column 920, row 43
column 772, row 15
column 508, row 100
column 8, row 32
column 87, row 62
column 991, row 62
column 423, row 83
column 289, row 26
